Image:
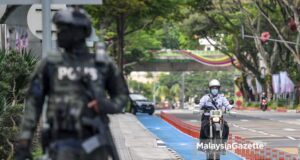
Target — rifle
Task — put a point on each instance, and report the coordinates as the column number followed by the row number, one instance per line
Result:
column 104, row 137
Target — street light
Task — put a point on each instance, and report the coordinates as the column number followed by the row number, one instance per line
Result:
column 182, row 89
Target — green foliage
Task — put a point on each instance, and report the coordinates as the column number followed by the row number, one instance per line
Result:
column 164, row 92
column 37, row 152
column 15, row 69
column 175, row 92
column 143, row 40
column 126, row 24
column 282, row 102
column 272, row 104
column 144, row 88
column 196, row 83
column 9, row 122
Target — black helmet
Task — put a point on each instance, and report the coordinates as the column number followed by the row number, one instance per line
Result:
column 73, row 17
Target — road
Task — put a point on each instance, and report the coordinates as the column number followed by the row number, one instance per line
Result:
column 274, row 129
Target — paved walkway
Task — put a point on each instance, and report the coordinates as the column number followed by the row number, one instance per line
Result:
column 135, row 142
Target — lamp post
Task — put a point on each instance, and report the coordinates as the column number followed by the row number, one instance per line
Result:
column 182, row 89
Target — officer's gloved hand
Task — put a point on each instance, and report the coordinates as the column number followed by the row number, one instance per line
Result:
column 94, row 105
column 23, row 151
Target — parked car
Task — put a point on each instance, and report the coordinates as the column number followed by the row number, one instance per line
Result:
column 140, row 103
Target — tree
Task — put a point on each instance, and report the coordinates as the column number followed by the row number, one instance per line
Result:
column 128, row 16
column 222, row 20
column 196, row 83
column 175, row 92
column 163, row 92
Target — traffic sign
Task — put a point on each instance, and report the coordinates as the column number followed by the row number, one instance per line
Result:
column 34, row 19
column 20, row 2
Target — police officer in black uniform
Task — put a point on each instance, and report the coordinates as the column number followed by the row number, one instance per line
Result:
column 80, row 89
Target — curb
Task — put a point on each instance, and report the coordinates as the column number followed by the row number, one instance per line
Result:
column 277, row 110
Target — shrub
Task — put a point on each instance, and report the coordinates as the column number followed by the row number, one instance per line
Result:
column 15, row 70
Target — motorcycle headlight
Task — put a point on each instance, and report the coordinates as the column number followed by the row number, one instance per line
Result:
column 216, row 119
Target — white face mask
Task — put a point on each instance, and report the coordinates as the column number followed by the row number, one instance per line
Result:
column 214, row 92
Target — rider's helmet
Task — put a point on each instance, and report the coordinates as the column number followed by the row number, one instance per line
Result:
column 214, row 87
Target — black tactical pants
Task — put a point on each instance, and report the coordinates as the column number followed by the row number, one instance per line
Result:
column 71, row 149
column 204, row 131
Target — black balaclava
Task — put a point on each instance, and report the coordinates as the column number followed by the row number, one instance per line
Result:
column 71, row 38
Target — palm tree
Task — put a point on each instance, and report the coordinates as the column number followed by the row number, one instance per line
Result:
column 163, row 92
column 175, row 92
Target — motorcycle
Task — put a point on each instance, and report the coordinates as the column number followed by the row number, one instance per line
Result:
column 216, row 126
column 263, row 105
column 216, row 133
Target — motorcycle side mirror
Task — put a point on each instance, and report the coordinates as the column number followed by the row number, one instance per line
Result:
column 197, row 101
column 231, row 102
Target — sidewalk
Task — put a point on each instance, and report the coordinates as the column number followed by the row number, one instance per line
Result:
column 134, row 141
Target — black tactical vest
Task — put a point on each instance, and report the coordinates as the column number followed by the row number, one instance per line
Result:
column 69, row 95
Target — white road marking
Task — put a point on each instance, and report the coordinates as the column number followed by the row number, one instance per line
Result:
column 292, row 138
column 252, row 130
column 160, row 143
column 264, row 133
column 235, row 125
column 193, row 120
column 289, row 129
column 272, row 135
column 244, row 120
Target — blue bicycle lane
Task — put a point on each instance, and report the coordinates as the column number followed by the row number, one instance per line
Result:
column 183, row 144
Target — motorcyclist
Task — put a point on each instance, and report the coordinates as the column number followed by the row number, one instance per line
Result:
column 263, row 101
column 263, row 95
column 217, row 101
column 74, row 84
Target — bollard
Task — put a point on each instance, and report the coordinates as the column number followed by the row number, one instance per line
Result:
column 230, row 139
column 237, row 140
column 261, row 154
column 288, row 157
column 295, row 158
column 274, row 154
column 243, row 152
column 256, row 154
column 252, row 154
column 281, row 155
column 268, row 153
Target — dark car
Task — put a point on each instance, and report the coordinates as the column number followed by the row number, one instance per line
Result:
column 140, row 103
